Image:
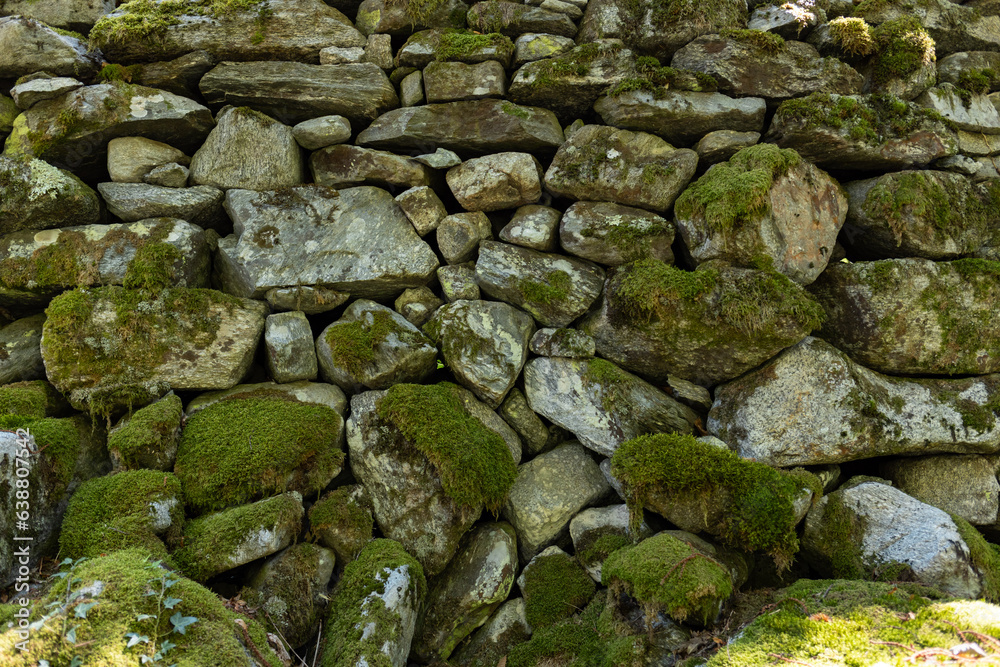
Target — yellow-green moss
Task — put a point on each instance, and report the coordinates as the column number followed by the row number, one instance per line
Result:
column 33, row 399
column 351, row 522
column 764, row 42
column 985, row 557
column 761, row 513
column 111, row 73
column 458, row 45
column 58, row 443
column 555, row 588
column 555, row 287
column 154, row 267
column 148, row 19
column 353, row 344
column 596, row 545
column 474, row 463
column 902, row 47
column 142, row 440
column 853, row 35
column 239, row 450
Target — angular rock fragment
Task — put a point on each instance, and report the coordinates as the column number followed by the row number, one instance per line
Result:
column 613, row 234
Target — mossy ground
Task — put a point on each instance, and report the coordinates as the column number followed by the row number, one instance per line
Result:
column 348, row 618
column 144, row 439
column 761, row 515
column 555, row 588
column 353, row 345
column 341, row 514
column 473, row 462
column 239, row 450
column 116, row 512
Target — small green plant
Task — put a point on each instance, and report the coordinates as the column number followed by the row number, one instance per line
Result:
column 157, row 643
column 78, row 600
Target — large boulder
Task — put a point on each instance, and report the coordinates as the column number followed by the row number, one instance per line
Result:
column 66, row 14
column 812, row 405
column 28, row 45
column 914, row 316
column 706, row 326
column 178, row 338
column 35, row 195
column 768, row 202
column 355, row 240
column 931, row 480
column 497, row 181
column 279, row 30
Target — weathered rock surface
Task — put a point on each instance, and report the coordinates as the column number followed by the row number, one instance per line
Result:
column 934, row 480
column 533, row 226
column 512, row 19
column 343, row 166
column 497, row 181
column 28, row 45
column 289, row 346
column 131, row 158
column 975, row 114
column 914, row 316
column 320, row 132
column 314, row 393
column 813, row 405
column 423, row 207
column 953, row 27
column 200, row 205
column 69, row 15
column 532, row 46
column 403, row 18
column 453, row 82
column 459, row 235
column 602, row 405
column 179, row 76
column 338, row 240
column 950, row 68
column 35, row 195
column 590, row 525
column 31, row 92
column 427, row 46
column 20, row 350
column 613, row 234
column 562, row 343
column 504, row 630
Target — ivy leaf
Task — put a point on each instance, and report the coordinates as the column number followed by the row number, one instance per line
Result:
column 134, row 639
column 181, row 622
column 167, row 583
column 170, row 603
column 81, row 609
column 167, row 645
column 71, row 634
column 76, row 662
column 143, row 617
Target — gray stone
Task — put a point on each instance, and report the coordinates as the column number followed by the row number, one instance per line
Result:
column 131, row 158
column 290, row 349
column 417, row 305
column 459, row 235
column 613, row 234
column 484, row 344
column 549, row 490
column 950, row 68
column 201, row 204
column 411, row 90
column 965, row 486
column 497, row 181
column 513, row 19
column 600, row 163
column 602, row 405
column 478, row 579
column 812, row 405
column 29, row 93
column 66, row 14
column 378, row 51
column 789, row 20
column 403, row 18
column 321, row 132
column 458, row 282
column 571, row 343
column 533, row 226
column 958, row 164
column 681, row 116
column 170, row 175
column 294, row 30
column 20, row 350
column 381, row 350
column 427, row 46
column 344, row 165
column 310, row 300
column 179, row 76
column 554, row 289
column 295, row 92
column 953, row 27
column 479, row 126
column 533, row 46
column 355, row 240
column 887, row 528
column 721, row 145
column 316, row 393
column 975, row 115
column 28, row 46
column 505, row 629
column 341, row 55
column 250, row 150
column 978, row 144
column 35, row 195
column 520, row 417
column 423, row 208
column 453, row 82
column 593, row 523
column 441, row 158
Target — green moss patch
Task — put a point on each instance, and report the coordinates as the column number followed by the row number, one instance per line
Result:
column 121, row 511
column 650, row 76
column 765, row 42
column 596, row 545
column 902, row 47
column 33, row 399
column 853, row 35
column 338, row 512
column 58, row 442
column 474, row 463
column 353, row 344
column 761, row 514
column 148, row 19
column 355, row 611
column 554, row 288
column 145, row 438
column 238, row 450
column 458, row 45
column 985, row 557
column 555, row 588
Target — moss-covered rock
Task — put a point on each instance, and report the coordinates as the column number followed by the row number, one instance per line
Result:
column 454, row 45
column 132, row 508
column 555, row 587
column 242, row 449
column 404, row 18
column 21, row 351
column 613, row 234
column 597, row 532
column 952, row 27
column 33, row 399
column 504, row 630
column 35, row 195
column 513, row 19
column 342, row 520
column 931, row 480
column 111, row 348
column 102, row 601
column 218, row 542
column 148, row 437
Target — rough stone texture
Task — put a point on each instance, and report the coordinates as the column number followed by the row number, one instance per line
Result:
column 788, row 21
column 28, row 46
column 681, row 116
column 962, row 485
column 341, row 55
column 515, row 411
column 209, row 349
column 35, row 195
column 458, row 282
column 485, row 345
column 344, row 166
column 66, row 14
column 887, row 526
column 453, row 82
column 321, row 132
column 931, row 214
column 459, row 235
column 247, row 149
column 289, row 346
column 613, row 234
column 310, row 300
column 600, row 163
column 562, row 343
column 36, row 268
column 603, row 406
column 403, row 18
column 497, row 181
column 913, row 316
column 478, row 579
column 513, row 19
column 976, row 115
column 812, row 405
column 347, row 538
column 742, row 69
column 424, row 47
column 590, row 524
column 476, row 127
column 721, row 145
column 295, row 92
column 355, row 240
column 797, row 226
column 20, row 350
column 423, row 208
column 131, row 158
column 953, row 27
column 951, row 67
column 170, row 175
column 417, row 305
column 201, row 204
column 554, row 289
column 550, row 489
column 295, row 30
column 533, row 226
column 29, row 93
column 316, row 393
column 179, row 76
column 403, row 354
column 533, row 46
column 101, row 113
column 870, row 140
column 503, row 631
column 411, row 90
column 378, row 51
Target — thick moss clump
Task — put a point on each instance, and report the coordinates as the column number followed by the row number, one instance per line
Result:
column 600, row 543
column 128, row 600
column 902, row 47
column 765, row 42
column 985, row 557
column 737, row 191
column 345, row 519
column 555, row 587
column 853, row 35
column 456, row 45
column 58, row 442
column 239, row 450
column 34, row 399
column 146, row 19
column 474, row 463
column 120, row 511
column 146, row 439
column 652, row 77
column 350, row 640
column 760, row 516
column 353, row 344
